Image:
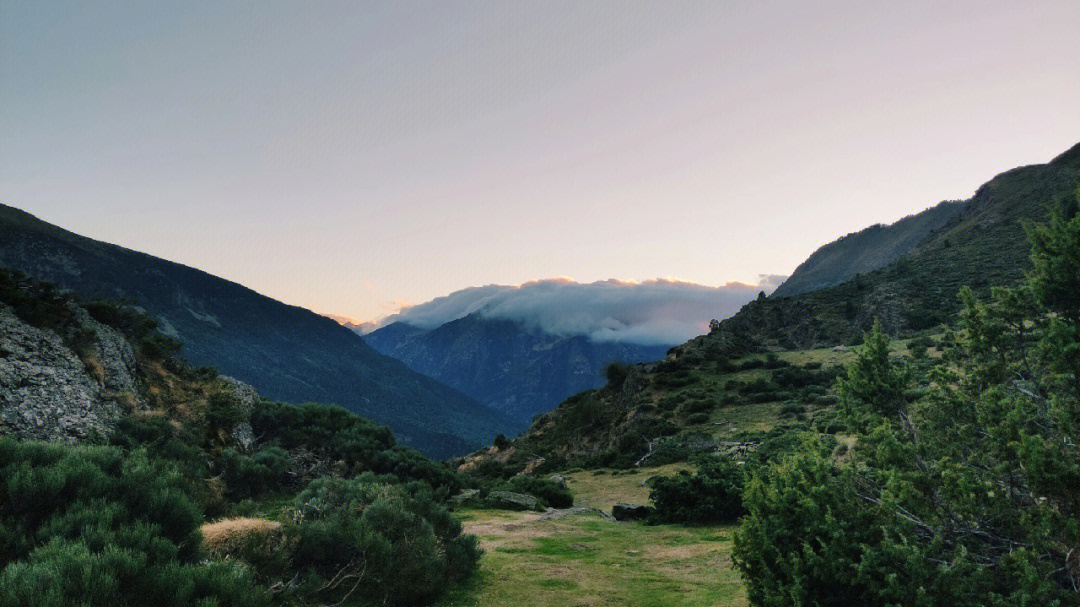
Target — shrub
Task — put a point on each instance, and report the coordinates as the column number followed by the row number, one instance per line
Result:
column 711, row 495
column 262, row 472
column 616, row 374
column 363, row 537
column 552, row 494
column 97, row 526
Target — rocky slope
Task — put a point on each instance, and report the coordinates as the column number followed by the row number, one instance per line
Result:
column 47, row 392
column 286, row 352
column 66, row 376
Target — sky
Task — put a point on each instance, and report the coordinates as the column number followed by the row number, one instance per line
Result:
column 356, row 157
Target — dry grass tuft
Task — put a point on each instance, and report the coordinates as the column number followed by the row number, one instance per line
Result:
column 228, row 532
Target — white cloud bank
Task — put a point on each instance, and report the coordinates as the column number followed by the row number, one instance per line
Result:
column 661, row 311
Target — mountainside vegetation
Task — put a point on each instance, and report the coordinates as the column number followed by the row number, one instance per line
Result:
column 194, row 490
column 982, row 246
column 866, row 250
column 516, row 370
column 920, row 450
column 961, row 486
column 286, row 352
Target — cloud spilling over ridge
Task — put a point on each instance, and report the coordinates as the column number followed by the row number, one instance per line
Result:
column 660, row 311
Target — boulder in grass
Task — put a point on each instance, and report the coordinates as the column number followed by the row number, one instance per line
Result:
column 558, row 479
column 466, row 497
column 630, row 512
column 513, row 501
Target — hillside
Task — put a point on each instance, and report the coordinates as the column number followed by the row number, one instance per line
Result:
column 773, row 363
column 982, row 245
column 286, row 352
column 132, row 477
column 516, row 370
column 866, row 250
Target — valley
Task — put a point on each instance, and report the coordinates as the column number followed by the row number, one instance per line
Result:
column 901, row 417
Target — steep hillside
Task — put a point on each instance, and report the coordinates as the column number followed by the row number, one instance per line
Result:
column 866, row 250
column 773, row 363
column 515, row 369
column 982, row 246
column 286, row 352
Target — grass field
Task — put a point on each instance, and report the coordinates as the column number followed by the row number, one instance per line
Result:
column 587, row 560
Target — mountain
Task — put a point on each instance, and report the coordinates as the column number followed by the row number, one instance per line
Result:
column 777, row 357
column 982, row 244
column 866, row 250
column 516, row 369
column 286, row 352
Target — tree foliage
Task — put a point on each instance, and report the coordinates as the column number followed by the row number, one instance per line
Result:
column 968, row 494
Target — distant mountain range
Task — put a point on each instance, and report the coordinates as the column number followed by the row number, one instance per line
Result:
column 286, row 352
column 519, row 370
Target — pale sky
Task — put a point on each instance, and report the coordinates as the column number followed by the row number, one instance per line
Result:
column 346, row 156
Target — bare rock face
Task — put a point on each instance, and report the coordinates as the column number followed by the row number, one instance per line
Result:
column 248, row 398
column 46, row 391
column 115, row 359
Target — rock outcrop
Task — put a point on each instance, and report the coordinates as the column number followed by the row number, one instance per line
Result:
column 48, row 392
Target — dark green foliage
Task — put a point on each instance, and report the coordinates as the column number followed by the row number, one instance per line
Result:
column 262, row 472
column 710, row 495
column 616, row 373
column 328, row 430
column 552, row 494
column 873, row 381
column 962, row 491
column 1056, row 277
column 98, row 526
column 583, row 410
column 364, row 538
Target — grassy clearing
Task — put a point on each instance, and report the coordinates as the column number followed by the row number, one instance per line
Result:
column 752, row 417
column 603, row 488
column 586, row 560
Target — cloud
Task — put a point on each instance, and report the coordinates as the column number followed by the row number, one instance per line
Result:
column 660, row 311
column 771, row 281
column 360, row 326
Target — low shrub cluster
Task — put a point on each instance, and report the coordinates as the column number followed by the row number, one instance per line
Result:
column 102, row 526
column 550, row 493
column 710, row 495
column 367, row 539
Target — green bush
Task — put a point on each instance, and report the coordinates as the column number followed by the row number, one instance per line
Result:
column 265, row 471
column 362, row 537
column 98, row 526
column 616, row 374
column 549, row 492
column 711, row 495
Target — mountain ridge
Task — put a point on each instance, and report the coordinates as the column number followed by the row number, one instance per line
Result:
column 785, row 349
column 518, row 370
column 287, row 352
